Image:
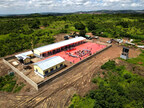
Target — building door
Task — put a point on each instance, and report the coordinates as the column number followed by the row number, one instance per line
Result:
column 61, row 65
column 51, row 69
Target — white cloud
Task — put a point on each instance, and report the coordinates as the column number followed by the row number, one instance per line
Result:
column 28, row 6
column 135, row 4
column 74, row 2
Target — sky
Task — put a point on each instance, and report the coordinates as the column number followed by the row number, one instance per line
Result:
column 37, row 6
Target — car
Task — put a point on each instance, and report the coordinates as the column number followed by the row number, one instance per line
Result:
column 90, row 38
column 66, row 37
column 109, row 41
column 95, row 37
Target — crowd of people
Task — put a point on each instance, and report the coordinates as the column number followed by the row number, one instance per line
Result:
column 80, row 53
column 83, row 52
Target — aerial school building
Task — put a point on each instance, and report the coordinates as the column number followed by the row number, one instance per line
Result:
column 57, row 55
column 54, row 48
column 49, row 66
column 53, row 64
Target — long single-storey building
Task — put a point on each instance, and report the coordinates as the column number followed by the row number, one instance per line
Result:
column 48, row 66
column 47, row 50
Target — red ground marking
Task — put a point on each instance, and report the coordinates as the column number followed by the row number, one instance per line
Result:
column 93, row 47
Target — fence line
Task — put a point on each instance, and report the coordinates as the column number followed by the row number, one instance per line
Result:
column 21, row 74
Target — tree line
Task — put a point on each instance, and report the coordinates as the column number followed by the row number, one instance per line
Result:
column 16, row 33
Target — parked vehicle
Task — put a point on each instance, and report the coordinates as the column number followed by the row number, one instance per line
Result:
column 95, row 37
column 66, row 37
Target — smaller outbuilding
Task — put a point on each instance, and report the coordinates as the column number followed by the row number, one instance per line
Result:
column 25, row 57
column 48, row 66
column 125, row 53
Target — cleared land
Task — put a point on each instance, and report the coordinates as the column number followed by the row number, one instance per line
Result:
column 59, row 92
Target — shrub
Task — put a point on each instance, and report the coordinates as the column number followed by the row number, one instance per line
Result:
column 79, row 26
column 63, row 31
column 7, row 83
column 127, row 76
column 18, row 87
column 8, row 87
column 45, row 24
column 94, row 80
column 66, row 26
column 82, row 33
column 103, row 73
column 91, row 26
column 109, row 65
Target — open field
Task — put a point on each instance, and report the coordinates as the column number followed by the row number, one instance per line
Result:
column 59, row 92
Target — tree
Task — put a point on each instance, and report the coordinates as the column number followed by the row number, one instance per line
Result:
column 45, row 24
column 66, row 26
column 82, row 33
column 108, row 65
column 63, row 31
column 123, row 24
column 91, row 26
column 79, row 26
column 34, row 24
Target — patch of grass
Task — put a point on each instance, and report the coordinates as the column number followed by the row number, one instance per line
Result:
column 79, row 102
column 8, row 87
column 108, row 65
column 94, row 80
column 139, row 60
column 18, row 87
column 8, row 84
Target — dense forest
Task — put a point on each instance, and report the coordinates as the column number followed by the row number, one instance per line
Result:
column 119, row 88
column 19, row 33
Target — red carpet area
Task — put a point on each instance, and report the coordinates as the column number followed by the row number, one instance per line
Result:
column 80, row 52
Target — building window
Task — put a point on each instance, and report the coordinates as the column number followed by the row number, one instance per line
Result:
column 46, row 72
column 61, row 65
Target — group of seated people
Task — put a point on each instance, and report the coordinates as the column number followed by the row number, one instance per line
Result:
column 72, row 55
column 80, row 53
column 83, row 52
